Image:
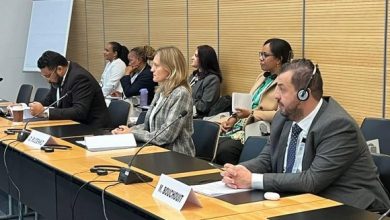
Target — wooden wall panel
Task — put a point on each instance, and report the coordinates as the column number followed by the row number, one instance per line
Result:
column 244, row 26
column 346, row 39
column 387, row 82
column 168, row 24
column 126, row 22
column 202, row 25
column 95, row 35
column 77, row 41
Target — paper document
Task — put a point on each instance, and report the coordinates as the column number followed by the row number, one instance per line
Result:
column 373, row 146
column 113, row 97
column 216, row 189
column 110, row 142
column 241, row 100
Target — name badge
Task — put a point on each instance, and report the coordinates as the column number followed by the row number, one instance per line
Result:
column 174, row 193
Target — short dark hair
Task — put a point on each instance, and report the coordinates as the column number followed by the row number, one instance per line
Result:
column 208, row 61
column 51, row 60
column 144, row 53
column 302, row 71
column 121, row 50
column 281, row 49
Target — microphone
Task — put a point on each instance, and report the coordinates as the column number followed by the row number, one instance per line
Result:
column 1, row 79
column 24, row 133
column 129, row 176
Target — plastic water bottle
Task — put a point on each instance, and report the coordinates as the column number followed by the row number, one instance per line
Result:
column 143, row 99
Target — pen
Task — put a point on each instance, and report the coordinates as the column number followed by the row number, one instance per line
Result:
column 216, row 166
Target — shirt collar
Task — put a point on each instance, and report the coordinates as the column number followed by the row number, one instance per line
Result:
column 66, row 73
column 306, row 122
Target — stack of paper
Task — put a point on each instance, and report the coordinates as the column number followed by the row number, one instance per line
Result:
column 241, row 100
column 110, row 142
column 216, row 189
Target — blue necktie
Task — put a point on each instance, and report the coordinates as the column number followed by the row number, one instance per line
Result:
column 292, row 147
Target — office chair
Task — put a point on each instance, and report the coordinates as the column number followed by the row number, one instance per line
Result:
column 205, row 137
column 119, row 111
column 141, row 118
column 41, row 94
column 252, row 147
column 382, row 161
column 24, row 94
column 377, row 128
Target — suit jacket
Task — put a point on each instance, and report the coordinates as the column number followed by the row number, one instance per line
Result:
column 336, row 162
column 84, row 102
column 268, row 105
column 143, row 80
column 177, row 137
column 205, row 93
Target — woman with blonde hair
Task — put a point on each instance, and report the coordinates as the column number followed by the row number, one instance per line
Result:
column 172, row 100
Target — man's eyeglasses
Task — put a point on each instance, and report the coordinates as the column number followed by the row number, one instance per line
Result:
column 264, row 55
column 47, row 76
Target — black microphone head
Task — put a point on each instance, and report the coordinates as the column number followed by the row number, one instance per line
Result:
column 1, row 79
column 183, row 113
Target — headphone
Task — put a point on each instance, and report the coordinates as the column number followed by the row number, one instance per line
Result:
column 50, row 149
column 102, row 170
column 268, row 74
column 303, row 94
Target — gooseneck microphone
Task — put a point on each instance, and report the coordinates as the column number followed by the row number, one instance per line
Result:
column 127, row 175
column 24, row 133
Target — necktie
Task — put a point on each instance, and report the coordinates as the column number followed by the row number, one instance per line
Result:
column 292, row 147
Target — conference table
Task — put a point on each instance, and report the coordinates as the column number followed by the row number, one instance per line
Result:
column 49, row 182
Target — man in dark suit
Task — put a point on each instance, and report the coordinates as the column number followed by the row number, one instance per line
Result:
column 315, row 147
column 82, row 98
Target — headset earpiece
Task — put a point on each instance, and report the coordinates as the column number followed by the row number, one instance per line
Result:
column 102, row 170
column 303, row 94
column 51, row 148
column 47, row 149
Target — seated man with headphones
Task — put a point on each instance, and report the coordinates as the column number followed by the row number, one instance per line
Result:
column 315, row 147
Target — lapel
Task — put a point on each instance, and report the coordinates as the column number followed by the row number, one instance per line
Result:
column 310, row 151
column 64, row 87
column 258, row 82
column 157, row 107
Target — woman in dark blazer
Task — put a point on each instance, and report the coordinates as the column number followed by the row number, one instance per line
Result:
column 138, row 74
column 205, row 80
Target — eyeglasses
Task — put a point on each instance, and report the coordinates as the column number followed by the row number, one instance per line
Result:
column 47, row 76
column 264, row 55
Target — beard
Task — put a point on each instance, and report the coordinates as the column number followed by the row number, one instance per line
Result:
column 292, row 112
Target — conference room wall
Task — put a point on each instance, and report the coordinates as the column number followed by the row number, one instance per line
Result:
column 13, row 40
column 347, row 39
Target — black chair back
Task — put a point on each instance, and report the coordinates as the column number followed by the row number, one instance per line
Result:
column 205, row 137
column 377, row 128
column 24, row 94
column 41, row 94
column 252, row 147
column 382, row 161
column 119, row 111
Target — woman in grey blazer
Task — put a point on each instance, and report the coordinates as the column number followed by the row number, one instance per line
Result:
column 172, row 98
column 205, row 80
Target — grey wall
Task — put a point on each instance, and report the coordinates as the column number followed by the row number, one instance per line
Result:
column 14, row 26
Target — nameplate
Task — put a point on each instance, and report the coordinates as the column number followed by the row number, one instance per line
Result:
column 174, row 193
column 37, row 139
column 110, row 142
